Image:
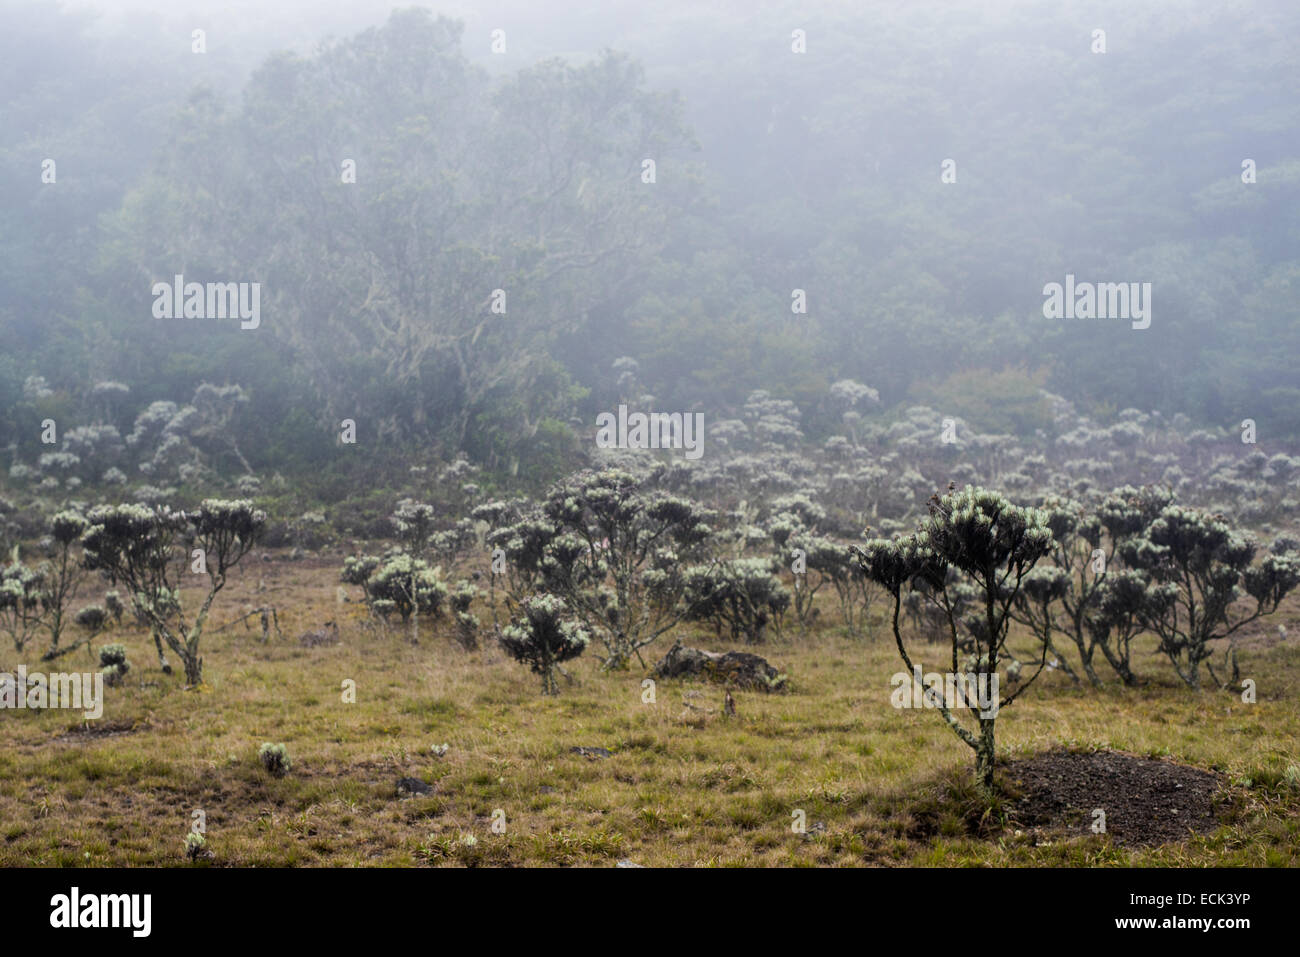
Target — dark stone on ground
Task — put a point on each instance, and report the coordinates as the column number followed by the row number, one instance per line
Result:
column 591, row 754
column 329, row 635
column 413, row 786
column 739, row 669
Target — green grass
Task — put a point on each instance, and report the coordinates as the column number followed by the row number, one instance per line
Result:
column 686, row 786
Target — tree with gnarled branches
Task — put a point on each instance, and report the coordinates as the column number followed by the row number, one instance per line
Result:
column 142, row 548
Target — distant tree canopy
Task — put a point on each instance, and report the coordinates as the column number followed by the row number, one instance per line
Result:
column 818, row 172
column 486, row 219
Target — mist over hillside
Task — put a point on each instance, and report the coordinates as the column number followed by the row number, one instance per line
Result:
column 775, row 171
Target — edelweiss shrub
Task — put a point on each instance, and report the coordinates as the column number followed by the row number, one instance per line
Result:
column 742, row 595
column 113, row 664
column 1100, row 607
column 97, row 447
column 462, row 596
column 407, row 587
column 142, row 548
column 196, row 847
column 357, row 569
column 21, row 591
column 63, row 576
column 415, row 524
column 113, row 605
column 1199, row 568
column 93, row 618
column 1115, row 616
column 828, row 561
column 543, row 637
column 1041, row 590
column 619, row 556
column 992, row 543
column 521, row 533
column 275, row 758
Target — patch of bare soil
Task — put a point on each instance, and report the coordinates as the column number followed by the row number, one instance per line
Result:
column 1146, row 801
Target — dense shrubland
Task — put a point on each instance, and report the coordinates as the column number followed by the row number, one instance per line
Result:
column 745, row 539
column 752, row 540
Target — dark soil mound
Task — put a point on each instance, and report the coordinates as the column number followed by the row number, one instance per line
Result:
column 1146, row 801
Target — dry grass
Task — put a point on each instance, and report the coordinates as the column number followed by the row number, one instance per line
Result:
column 686, row 786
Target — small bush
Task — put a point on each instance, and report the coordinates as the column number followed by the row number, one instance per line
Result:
column 544, row 637
column 466, row 624
column 196, row 847
column 275, row 758
column 113, row 663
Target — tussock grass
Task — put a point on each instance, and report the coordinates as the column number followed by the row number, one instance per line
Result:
column 685, row 785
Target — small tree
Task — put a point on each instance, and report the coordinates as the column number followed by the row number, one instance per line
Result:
column 1199, row 568
column 1113, row 614
column 409, row 587
column 63, row 577
column 994, row 544
column 743, row 595
column 1071, row 583
column 1116, row 617
column 612, row 528
column 21, row 590
column 415, row 524
column 141, row 547
column 832, row 562
column 523, row 534
column 543, row 637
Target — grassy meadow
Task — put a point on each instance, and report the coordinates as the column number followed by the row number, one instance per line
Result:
column 685, row 785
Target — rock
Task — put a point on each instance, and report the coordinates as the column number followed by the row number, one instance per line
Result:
column 740, row 669
column 329, row 635
column 627, row 863
column 546, row 789
column 591, row 754
column 413, row 786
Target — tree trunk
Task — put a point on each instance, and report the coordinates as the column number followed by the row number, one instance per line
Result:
column 162, row 658
column 985, row 755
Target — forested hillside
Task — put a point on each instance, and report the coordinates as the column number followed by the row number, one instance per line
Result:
column 523, row 171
